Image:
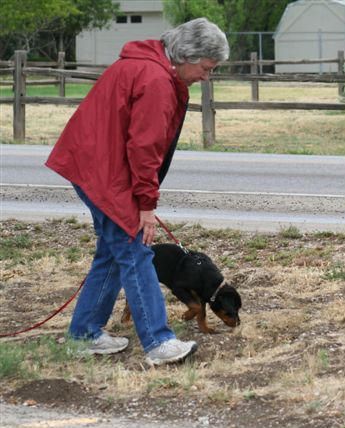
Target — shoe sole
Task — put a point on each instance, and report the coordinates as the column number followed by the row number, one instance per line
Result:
column 178, row 359
column 105, row 351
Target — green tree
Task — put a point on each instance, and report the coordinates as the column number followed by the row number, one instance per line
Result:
column 22, row 20
column 252, row 15
column 91, row 14
column 233, row 16
column 35, row 25
column 179, row 11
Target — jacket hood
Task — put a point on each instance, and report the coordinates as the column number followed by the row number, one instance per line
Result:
column 147, row 50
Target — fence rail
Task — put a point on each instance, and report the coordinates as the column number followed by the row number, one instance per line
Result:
column 279, row 77
column 21, row 68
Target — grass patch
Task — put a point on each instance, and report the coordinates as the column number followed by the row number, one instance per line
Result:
column 55, row 352
column 12, row 357
column 221, row 395
column 249, row 395
column 73, row 254
column 324, row 358
column 291, row 232
column 162, row 383
column 228, row 262
column 335, row 272
column 259, row 242
column 29, row 359
column 12, row 248
column 73, row 90
column 179, row 327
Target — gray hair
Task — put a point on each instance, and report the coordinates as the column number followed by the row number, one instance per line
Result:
column 196, row 39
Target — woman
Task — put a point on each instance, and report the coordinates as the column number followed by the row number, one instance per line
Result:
column 116, row 150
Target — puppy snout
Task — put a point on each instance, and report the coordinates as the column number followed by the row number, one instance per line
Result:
column 232, row 322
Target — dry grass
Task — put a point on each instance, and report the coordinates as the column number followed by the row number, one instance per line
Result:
column 305, row 132
column 286, row 358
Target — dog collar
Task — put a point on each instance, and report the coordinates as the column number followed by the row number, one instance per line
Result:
column 214, row 295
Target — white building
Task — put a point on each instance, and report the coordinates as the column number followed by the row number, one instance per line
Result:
column 140, row 20
column 310, row 29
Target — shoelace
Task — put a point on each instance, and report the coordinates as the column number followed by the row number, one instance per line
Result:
column 168, row 345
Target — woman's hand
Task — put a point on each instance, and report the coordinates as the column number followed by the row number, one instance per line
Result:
column 148, row 224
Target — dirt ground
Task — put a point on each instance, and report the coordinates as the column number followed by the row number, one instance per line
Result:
column 283, row 366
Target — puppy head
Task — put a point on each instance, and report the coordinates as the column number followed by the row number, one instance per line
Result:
column 227, row 304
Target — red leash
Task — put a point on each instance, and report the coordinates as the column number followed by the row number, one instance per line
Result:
column 169, row 233
column 61, row 308
column 47, row 319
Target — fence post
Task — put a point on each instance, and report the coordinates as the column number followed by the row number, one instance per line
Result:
column 62, row 79
column 254, row 70
column 341, row 70
column 208, row 114
column 19, row 79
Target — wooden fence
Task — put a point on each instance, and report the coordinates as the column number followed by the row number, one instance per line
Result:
column 21, row 68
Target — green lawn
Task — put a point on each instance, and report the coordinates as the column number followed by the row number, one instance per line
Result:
column 223, row 91
column 73, row 90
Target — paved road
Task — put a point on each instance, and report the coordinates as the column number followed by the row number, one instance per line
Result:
column 235, row 172
column 244, row 191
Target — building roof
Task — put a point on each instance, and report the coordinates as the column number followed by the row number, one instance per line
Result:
column 303, row 5
column 141, row 5
column 342, row 2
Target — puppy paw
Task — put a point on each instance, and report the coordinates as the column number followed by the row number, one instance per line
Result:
column 188, row 315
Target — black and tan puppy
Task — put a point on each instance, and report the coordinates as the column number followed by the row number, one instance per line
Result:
column 195, row 280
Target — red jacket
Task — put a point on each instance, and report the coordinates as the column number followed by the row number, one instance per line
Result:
column 114, row 145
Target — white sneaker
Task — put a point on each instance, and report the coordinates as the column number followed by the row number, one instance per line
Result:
column 171, row 351
column 106, row 344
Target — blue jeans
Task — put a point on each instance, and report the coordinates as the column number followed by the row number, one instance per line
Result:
column 120, row 262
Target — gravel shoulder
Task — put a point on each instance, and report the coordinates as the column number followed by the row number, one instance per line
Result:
column 19, row 416
column 251, row 212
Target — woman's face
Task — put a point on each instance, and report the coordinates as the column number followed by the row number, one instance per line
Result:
column 191, row 73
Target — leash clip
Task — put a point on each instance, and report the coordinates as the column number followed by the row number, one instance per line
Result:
column 170, row 234
column 183, row 248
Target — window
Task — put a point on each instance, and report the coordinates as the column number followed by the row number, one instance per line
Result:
column 136, row 19
column 121, row 19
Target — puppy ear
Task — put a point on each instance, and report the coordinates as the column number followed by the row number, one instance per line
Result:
column 230, row 295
